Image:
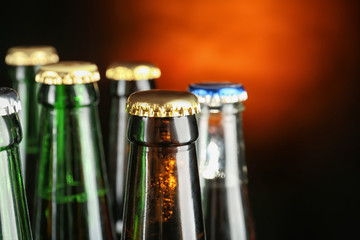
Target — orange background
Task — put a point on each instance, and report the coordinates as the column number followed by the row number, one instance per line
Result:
column 283, row 52
column 298, row 60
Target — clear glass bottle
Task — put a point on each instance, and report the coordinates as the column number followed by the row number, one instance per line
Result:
column 125, row 78
column 14, row 217
column 162, row 199
column 24, row 62
column 222, row 168
column 72, row 193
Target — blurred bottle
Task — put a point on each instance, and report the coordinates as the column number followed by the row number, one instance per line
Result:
column 162, row 199
column 223, row 173
column 71, row 200
column 125, row 78
column 14, row 218
column 23, row 63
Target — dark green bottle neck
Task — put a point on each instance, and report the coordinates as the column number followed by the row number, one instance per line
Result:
column 167, row 131
column 10, row 131
column 68, row 96
column 125, row 88
column 24, row 74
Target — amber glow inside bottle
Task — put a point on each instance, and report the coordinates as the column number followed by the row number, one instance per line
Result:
column 162, row 199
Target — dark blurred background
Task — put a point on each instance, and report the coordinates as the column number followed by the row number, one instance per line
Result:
column 298, row 60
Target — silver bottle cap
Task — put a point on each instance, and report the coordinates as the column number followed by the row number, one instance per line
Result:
column 9, row 101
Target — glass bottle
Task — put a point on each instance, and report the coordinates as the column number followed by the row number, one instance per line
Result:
column 222, row 169
column 71, row 200
column 14, row 218
column 125, row 78
column 162, row 199
column 24, row 62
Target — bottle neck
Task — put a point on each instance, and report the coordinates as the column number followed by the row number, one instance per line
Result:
column 221, row 143
column 70, row 166
column 163, row 193
column 13, row 207
column 125, row 88
column 23, row 74
column 10, row 131
column 68, row 96
column 167, row 131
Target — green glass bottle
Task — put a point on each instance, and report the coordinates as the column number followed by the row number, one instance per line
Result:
column 14, row 218
column 24, row 62
column 125, row 78
column 71, row 200
column 222, row 168
column 162, row 199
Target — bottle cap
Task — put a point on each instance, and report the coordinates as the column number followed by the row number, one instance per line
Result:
column 68, row 73
column 9, row 101
column 31, row 55
column 132, row 71
column 217, row 93
column 162, row 103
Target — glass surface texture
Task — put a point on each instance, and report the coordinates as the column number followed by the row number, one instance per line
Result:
column 71, row 193
column 162, row 199
column 14, row 218
column 23, row 81
column 223, row 173
column 119, row 145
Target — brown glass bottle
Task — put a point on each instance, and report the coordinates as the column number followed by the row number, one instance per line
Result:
column 162, row 199
column 125, row 79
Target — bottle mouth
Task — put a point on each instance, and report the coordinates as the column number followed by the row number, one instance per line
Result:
column 162, row 103
column 68, row 73
column 132, row 71
column 68, row 96
column 31, row 55
column 9, row 101
column 218, row 93
column 162, row 132
column 214, row 85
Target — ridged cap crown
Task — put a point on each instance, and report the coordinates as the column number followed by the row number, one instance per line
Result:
column 162, row 103
column 68, row 73
column 31, row 55
column 217, row 93
column 132, row 71
column 9, row 101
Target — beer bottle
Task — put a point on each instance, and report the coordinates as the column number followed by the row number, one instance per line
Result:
column 71, row 200
column 14, row 218
column 162, row 199
column 125, row 78
column 223, row 173
column 24, row 62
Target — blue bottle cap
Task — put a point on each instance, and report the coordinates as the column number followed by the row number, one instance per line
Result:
column 217, row 93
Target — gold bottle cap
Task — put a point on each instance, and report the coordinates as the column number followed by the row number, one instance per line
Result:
column 67, row 73
column 132, row 71
column 162, row 103
column 31, row 55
